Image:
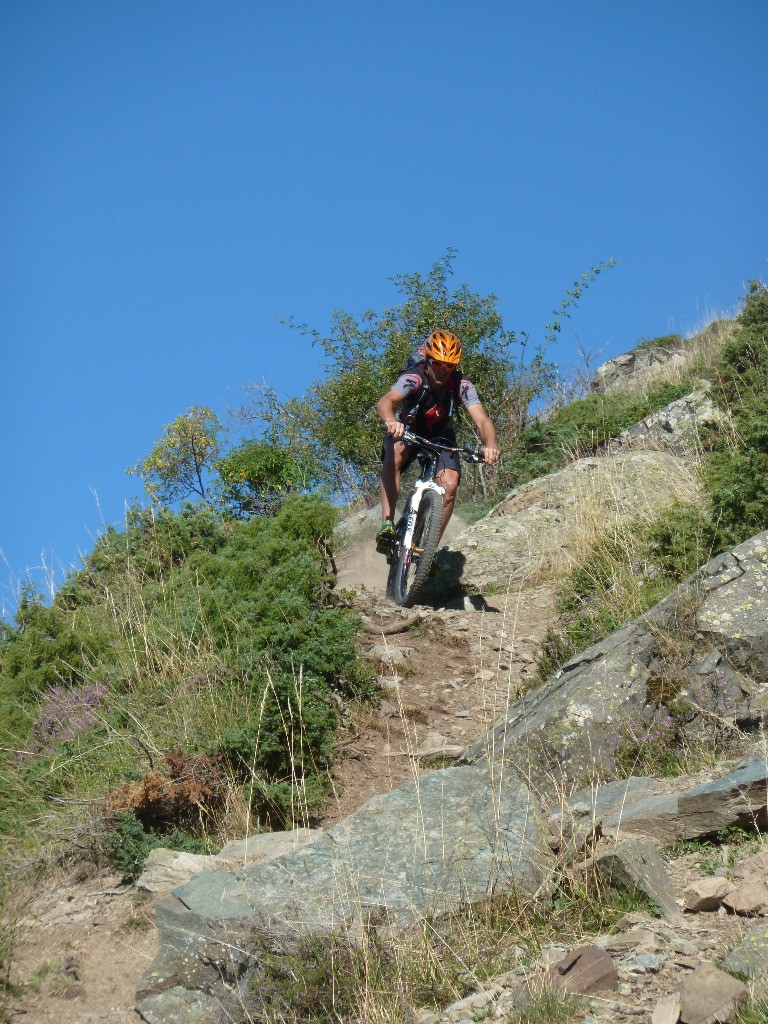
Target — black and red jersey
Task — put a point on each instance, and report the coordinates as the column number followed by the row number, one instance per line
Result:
column 428, row 411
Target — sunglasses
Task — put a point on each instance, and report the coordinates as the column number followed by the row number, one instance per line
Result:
column 437, row 365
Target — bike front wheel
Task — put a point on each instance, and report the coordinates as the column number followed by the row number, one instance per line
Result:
column 411, row 569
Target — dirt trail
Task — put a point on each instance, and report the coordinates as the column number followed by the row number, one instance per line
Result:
column 459, row 672
column 85, row 942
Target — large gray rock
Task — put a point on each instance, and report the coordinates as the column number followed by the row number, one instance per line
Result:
column 675, row 428
column 641, row 369
column 530, row 534
column 574, row 724
column 636, row 866
column 446, row 839
column 749, row 957
column 650, row 365
column 710, row 996
column 733, row 613
column 164, row 870
column 669, row 812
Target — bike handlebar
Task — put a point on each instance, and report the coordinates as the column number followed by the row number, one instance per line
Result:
column 467, row 453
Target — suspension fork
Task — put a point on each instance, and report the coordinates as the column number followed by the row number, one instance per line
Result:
column 412, row 510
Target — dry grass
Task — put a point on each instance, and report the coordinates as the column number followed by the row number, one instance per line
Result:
column 613, row 497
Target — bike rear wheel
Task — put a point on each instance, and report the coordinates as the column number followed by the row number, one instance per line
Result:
column 410, row 569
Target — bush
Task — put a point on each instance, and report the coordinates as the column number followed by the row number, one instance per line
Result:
column 755, row 311
column 180, row 632
column 737, row 472
column 680, row 541
column 257, row 475
column 129, row 844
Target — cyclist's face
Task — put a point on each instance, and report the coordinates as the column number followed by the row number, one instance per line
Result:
column 440, row 372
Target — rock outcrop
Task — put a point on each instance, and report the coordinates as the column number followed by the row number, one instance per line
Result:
column 640, row 369
column 652, row 363
column 444, row 840
column 463, row 833
column 502, row 820
column 576, row 724
column 676, row 428
column 537, row 527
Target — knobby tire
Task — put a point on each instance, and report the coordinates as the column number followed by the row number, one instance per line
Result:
column 409, row 573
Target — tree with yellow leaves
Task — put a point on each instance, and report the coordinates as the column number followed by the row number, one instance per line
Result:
column 179, row 460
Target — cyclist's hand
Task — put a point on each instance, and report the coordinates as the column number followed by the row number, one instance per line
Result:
column 395, row 428
column 490, row 455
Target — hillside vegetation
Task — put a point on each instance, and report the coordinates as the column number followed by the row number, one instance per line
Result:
column 190, row 677
column 627, row 572
column 186, row 684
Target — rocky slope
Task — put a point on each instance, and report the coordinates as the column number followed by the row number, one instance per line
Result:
column 521, row 796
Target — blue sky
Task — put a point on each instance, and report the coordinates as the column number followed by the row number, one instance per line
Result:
column 174, row 175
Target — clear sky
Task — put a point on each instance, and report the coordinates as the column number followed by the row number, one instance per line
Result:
column 174, row 175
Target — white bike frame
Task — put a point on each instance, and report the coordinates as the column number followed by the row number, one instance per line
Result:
column 419, row 487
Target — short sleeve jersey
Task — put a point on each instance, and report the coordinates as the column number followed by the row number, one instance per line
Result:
column 432, row 412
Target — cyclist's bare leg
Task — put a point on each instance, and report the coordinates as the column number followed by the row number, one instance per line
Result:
column 395, row 455
column 449, row 479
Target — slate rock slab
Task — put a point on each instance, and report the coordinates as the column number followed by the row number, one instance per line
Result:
column 675, row 428
column 750, row 954
column 734, row 610
column 651, row 807
column 178, row 1006
column 635, row 865
column 573, row 725
column 710, row 996
column 444, row 840
column 164, row 870
column 584, row 970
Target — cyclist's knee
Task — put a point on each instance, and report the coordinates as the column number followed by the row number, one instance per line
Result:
column 449, row 479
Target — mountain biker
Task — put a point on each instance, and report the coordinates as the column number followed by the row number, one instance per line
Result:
column 423, row 398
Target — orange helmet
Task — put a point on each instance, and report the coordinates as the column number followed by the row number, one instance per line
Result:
column 444, row 347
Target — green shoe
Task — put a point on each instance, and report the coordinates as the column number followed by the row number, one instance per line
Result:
column 435, row 572
column 386, row 538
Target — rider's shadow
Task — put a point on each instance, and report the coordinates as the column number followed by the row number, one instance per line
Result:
column 439, row 590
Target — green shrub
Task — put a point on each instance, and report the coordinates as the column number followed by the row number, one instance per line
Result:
column 129, row 844
column 181, row 632
column 680, row 541
column 256, row 476
column 755, row 311
column 737, row 471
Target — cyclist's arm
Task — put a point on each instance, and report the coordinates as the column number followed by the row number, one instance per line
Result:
column 386, row 408
column 487, row 432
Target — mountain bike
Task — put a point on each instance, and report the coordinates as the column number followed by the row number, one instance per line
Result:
column 418, row 528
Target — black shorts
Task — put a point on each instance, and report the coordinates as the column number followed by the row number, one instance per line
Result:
column 447, row 460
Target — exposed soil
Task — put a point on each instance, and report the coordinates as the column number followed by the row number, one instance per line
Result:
column 459, row 672
column 84, row 943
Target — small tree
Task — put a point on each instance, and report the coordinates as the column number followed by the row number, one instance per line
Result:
column 257, row 475
column 755, row 311
column 335, row 422
column 180, row 459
